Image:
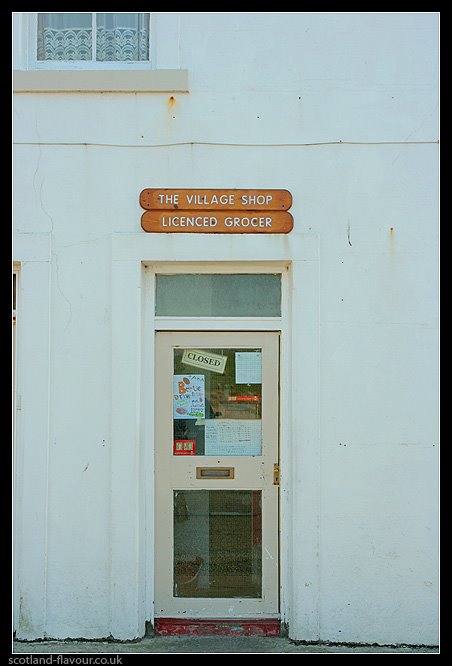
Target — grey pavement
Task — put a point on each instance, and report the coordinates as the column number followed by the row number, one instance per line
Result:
column 208, row 644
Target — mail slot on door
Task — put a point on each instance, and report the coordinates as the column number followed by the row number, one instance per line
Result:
column 215, row 472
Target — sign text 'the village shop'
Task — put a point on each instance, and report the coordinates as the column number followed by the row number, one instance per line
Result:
column 216, row 211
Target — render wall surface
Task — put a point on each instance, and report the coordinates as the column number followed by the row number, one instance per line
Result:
column 340, row 109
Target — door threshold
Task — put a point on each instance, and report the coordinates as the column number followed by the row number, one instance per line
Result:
column 170, row 626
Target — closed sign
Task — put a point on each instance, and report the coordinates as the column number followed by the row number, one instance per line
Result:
column 206, row 360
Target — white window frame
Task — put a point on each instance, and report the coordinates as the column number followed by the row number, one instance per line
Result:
column 69, row 65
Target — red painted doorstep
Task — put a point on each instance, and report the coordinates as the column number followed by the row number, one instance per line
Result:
column 170, row 626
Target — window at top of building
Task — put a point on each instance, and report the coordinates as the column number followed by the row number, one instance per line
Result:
column 93, row 37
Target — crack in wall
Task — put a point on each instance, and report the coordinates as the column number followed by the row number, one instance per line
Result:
column 54, row 256
column 348, row 235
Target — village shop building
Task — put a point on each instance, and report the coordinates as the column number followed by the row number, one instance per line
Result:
column 225, row 265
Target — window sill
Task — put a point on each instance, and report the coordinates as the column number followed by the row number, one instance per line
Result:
column 56, row 81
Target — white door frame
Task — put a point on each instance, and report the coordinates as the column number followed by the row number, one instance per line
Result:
column 136, row 258
column 280, row 324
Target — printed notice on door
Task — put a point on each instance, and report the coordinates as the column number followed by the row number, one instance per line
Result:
column 188, row 397
column 248, row 367
column 233, row 437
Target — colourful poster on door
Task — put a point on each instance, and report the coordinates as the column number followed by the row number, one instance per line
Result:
column 188, row 397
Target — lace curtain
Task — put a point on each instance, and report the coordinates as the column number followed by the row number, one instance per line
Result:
column 68, row 36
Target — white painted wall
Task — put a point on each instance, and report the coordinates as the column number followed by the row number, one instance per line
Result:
column 340, row 109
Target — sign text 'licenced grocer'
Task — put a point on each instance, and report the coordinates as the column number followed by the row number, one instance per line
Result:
column 219, row 222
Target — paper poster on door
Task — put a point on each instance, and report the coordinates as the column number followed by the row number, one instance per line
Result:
column 188, row 397
column 248, row 367
column 233, row 437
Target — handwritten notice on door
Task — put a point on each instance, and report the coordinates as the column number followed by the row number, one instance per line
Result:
column 188, row 397
column 248, row 367
column 233, row 437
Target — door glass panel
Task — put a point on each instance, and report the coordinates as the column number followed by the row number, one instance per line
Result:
column 217, row 402
column 218, row 295
column 217, row 543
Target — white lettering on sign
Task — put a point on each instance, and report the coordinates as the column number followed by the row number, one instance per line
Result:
column 217, row 222
column 206, row 360
column 248, row 221
column 206, row 221
column 188, row 221
column 204, row 200
column 253, row 199
column 169, row 199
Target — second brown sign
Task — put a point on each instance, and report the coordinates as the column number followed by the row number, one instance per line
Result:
column 217, row 222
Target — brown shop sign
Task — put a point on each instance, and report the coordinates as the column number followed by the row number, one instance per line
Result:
column 216, row 211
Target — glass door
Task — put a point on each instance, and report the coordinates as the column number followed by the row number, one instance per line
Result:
column 216, row 491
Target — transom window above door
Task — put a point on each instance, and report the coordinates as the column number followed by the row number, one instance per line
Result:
column 86, row 37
